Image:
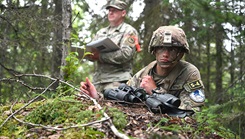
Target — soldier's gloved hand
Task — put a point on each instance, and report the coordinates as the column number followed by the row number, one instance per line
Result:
column 88, row 88
column 148, row 84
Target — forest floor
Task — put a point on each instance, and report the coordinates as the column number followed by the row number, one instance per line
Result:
column 139, row 122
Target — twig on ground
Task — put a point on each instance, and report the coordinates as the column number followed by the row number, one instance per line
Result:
column 112, row 126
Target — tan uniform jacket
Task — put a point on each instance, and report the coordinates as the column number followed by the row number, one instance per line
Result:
column 117, row 65
column 184, row 82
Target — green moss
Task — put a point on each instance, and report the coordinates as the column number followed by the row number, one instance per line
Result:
column 11, row 127
column 119, row 119
column 66, row 111
column 60, row 110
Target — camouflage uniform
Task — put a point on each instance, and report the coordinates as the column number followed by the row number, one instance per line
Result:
column 115, row 67
column 184, row 81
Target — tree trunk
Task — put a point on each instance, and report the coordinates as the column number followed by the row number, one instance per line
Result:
column 66, row 33
column 57, row 51
column 219, row 60
column 232, row 60
column 208, row 90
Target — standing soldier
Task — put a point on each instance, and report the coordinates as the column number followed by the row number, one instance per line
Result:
column 114, row 68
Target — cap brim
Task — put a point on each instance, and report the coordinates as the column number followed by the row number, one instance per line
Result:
column 114, row 6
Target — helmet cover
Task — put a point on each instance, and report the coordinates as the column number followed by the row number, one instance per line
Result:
column 168, row 36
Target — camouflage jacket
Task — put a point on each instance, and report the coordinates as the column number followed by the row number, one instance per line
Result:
column 184, row 82
column 116, row 65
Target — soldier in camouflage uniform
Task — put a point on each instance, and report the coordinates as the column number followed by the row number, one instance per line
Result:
column 168, row 74
column 114, row 68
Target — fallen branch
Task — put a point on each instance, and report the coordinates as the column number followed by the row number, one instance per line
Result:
column 22, row 83
column 111, row 125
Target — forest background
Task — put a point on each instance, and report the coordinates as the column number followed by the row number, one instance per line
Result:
column 36, row 37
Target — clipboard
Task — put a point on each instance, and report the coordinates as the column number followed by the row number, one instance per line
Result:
column 102, row 45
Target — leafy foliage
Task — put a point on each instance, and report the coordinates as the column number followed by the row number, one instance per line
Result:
column 204, row 124
column 231, row 115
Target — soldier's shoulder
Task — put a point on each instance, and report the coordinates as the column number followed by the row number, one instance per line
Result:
column 188, row 65
column 129, row 27
column 102, row 30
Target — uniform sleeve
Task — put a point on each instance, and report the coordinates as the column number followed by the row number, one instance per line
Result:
column 125, row 53
column 193, row 96
column 135, row 80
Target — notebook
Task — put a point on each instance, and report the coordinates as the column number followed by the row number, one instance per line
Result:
column 102, row 45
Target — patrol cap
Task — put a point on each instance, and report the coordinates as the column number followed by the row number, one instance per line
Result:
column 118, row 4
column 169, row 36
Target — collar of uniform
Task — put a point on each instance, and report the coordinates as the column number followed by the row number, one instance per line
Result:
column 160, row 80
column 117, row 29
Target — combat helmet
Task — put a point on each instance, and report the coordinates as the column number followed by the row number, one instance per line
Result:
column 169, row 36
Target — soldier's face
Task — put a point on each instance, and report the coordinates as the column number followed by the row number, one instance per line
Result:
column 168, row 56
column 115, row 15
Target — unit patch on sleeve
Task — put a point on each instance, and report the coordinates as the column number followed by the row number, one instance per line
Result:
column 130, row 41
column 197, row 96
column 190, row 86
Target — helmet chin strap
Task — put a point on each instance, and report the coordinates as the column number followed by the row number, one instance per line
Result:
column 176, row 59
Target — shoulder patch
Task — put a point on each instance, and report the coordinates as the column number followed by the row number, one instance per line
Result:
column 197, row 96
column 130, row 41
column 190, row 86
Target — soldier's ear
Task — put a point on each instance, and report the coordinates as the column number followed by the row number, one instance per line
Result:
column 124, row 12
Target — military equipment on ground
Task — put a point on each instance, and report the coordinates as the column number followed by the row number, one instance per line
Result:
column 156, row 103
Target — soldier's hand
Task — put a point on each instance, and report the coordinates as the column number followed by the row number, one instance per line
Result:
column 88, row 88
column 148, row 84
column 96, row 55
